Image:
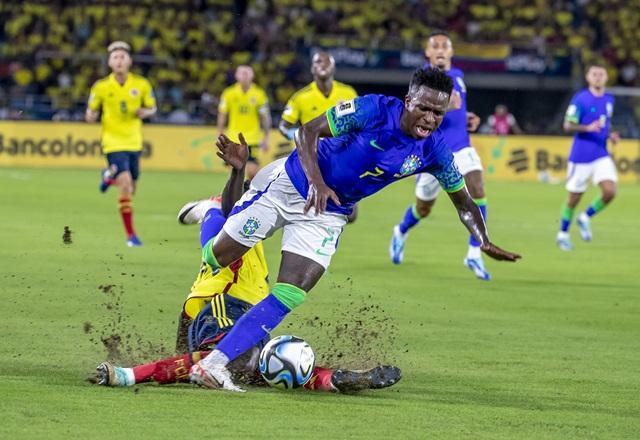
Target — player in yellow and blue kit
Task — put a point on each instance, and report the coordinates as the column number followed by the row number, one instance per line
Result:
column 124, row 99
column 244, row 107
column 357, row 149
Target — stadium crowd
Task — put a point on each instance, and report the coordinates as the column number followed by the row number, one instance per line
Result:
column 51, row 54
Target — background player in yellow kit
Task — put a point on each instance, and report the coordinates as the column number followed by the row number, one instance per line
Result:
column 317, row 97
column 244, row 107
column 124, row 99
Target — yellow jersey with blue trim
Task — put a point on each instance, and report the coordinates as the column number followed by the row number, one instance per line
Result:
column 245, row 279
column 309, row 102
column 243, row 110
column 121, row 127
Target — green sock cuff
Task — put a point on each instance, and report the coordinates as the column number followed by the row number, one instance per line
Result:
column 289, row 295
column 480, row 202
column 414, row 211
column 598, row 204
column 567, row 213
column 208, row 257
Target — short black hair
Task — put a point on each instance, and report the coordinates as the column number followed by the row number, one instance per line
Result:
column 438, row 32
column 432, row 78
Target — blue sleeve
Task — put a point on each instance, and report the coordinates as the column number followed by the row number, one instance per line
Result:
column 574, row 111
column 445, row 169
column 354, row 115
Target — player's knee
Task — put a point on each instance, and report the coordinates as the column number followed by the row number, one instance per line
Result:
column 423, row 208
column 608, row 195
column 289, row 295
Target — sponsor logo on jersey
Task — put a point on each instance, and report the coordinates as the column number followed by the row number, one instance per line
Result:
column 134, row 92
column 345, row 108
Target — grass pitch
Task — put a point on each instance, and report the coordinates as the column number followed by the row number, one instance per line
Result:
column 549, row 349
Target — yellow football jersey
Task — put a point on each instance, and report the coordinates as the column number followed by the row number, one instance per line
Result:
column 121, row 128
column 309, row 102
column 243, row 110
column 245, row 279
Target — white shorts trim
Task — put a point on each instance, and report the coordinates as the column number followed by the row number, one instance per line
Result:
column 578, row 174
column 274, row 203
column 466, row 159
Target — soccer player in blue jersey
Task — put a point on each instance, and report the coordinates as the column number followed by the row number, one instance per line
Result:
column 454, row 127
column 589, row 117
column 355, row 150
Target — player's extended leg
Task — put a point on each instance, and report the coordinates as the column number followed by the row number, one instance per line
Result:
column 473, row 260
column 165, row 371
column 298, row 275
column 563, row 239
column 427, row 188
column 608, row 192
column 124, row 182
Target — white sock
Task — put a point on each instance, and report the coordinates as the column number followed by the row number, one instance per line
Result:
column 131, row 378
column 214, row 359
column 474, row 252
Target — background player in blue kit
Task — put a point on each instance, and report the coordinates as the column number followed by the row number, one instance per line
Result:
column 357, row 149
column 454, row 127
column 589, row 117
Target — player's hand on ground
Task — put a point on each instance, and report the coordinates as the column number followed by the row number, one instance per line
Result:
column 473, row 121
column 318, row 196
column 499, row 254
column 233, row 154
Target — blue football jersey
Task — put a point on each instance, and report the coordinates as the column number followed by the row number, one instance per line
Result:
column 585, row 108
column 369, row 151
column 454, row 124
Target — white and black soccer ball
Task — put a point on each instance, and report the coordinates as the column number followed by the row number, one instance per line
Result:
column 286, row 362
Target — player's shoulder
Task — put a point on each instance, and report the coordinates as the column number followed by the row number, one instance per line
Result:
column 455, row 72
column 582, row 94
column 230, row 89
column 139, row 79
column 301, row 92
column 101, row 83
column 344, row 88
column 609, row 97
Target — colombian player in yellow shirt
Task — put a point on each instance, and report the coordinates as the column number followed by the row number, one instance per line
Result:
column 317, row 97
column 323, row 93
column 244, row 107
column 124, row 99
column 218, row 300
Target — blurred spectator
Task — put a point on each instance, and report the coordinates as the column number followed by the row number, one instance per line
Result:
column 501, row 122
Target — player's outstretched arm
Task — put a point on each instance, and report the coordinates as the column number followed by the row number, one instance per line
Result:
column 472, row 218
column 236, row 156
column 306, row 139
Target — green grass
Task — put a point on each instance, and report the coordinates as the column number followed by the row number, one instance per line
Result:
column 549, row 349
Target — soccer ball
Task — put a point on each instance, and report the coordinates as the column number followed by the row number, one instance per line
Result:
column 286, row 362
